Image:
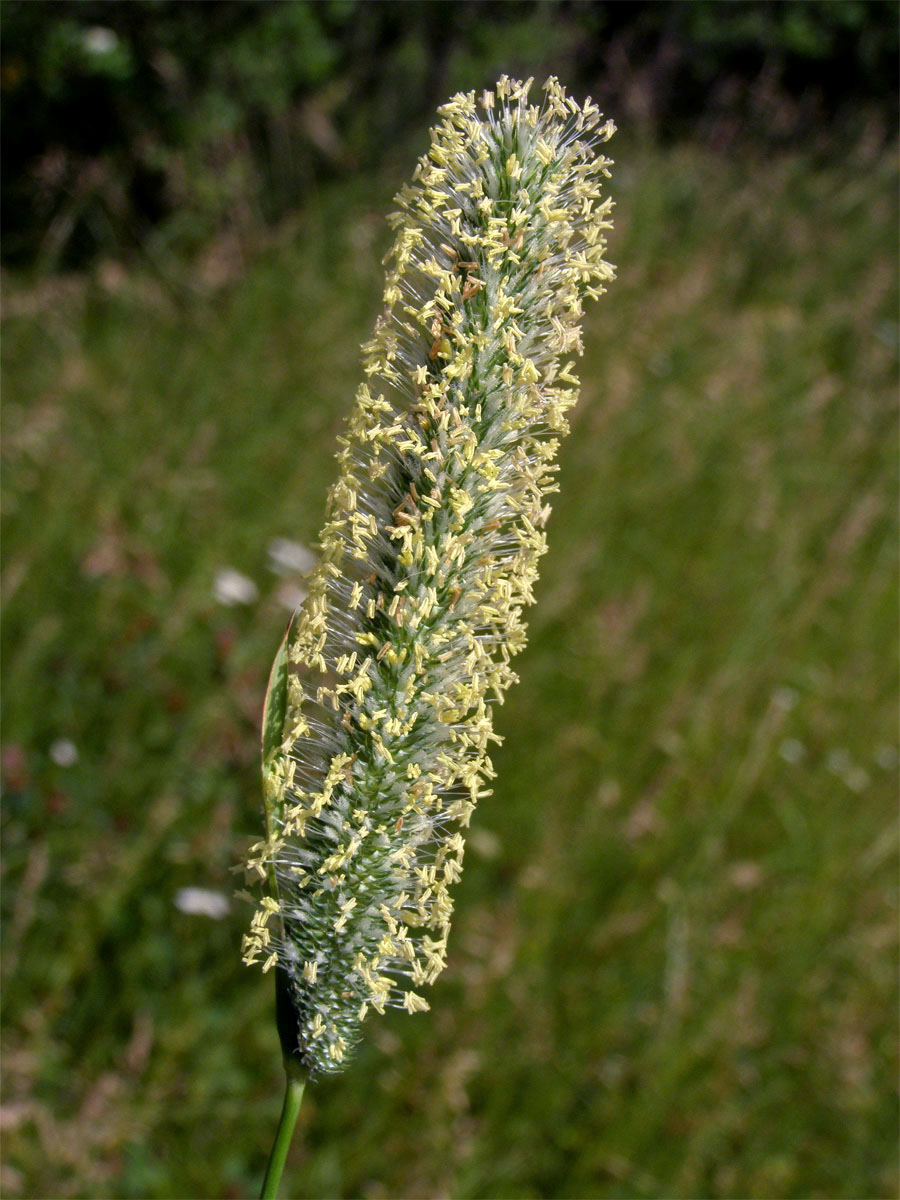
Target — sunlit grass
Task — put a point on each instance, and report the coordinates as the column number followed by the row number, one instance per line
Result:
column 673, row 967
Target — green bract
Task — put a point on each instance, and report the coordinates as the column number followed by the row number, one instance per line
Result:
column 378, row 724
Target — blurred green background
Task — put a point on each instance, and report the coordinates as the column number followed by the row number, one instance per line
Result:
column 673, row 968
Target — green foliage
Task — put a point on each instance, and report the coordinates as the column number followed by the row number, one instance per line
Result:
column 674, row 960
column 148, row 125
column 812, row 29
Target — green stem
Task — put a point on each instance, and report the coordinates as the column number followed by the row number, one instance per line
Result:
column 293, row 1094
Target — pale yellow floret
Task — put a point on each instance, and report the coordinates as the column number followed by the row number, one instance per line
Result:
column 414, row 1003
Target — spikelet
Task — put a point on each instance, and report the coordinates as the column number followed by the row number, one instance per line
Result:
column 429, row 555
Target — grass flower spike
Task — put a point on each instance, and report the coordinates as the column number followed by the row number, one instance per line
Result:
column 378, row 721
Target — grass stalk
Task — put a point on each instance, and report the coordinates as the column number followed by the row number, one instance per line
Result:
column 293, row 1097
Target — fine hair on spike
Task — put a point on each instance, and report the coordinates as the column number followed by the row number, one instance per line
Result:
column 429, row 555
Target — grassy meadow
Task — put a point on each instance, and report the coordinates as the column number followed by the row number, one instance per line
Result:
column 673, row 968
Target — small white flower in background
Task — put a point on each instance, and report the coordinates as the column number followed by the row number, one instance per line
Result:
column 746, row 875
column 792, row 751
column 857, row 779
column 886, row 757
column 290, row 558
column 64, row 753
column 290, row 595
column 785, row 698
column 485, row 843
column 100, row 40
column 838, row 761
column 231, row 587
column 201, row 902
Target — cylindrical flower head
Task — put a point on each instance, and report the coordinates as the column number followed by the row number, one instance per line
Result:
column 429, row 556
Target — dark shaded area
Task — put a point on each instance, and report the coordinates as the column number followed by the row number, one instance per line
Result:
column 156, row 123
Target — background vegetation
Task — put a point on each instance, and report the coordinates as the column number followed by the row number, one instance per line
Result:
column 147, row 126
column 673, row 968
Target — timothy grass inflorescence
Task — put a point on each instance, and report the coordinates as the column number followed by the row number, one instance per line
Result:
column 429, row 555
